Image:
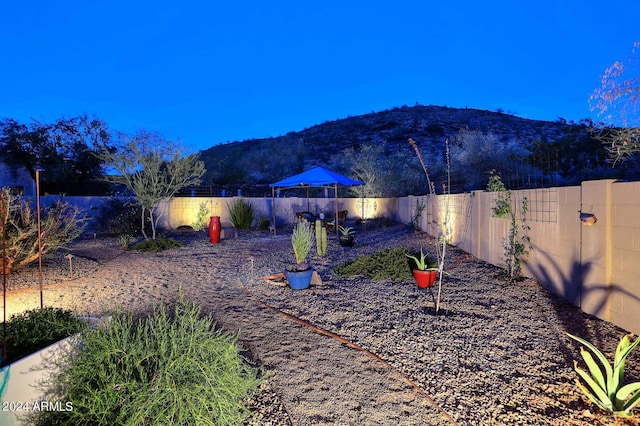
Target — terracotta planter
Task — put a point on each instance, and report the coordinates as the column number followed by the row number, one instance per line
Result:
column 346, row 240
column 425, row 279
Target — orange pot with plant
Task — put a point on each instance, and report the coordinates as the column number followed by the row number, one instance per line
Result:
column 425, row 271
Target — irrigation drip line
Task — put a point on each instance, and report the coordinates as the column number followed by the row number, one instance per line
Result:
column 352, row 345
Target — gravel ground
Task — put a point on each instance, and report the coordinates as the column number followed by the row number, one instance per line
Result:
column 353, row 351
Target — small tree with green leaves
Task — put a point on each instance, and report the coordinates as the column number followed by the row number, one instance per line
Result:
column 502, row 205
column 202, row 217
column 517, row 244
column 153, row 169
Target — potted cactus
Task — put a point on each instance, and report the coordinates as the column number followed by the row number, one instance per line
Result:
column 321, row 239
column 425, row 270
column 346, row 236
column 299, row 274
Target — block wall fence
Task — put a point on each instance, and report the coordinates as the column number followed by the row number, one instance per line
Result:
column 586, row 239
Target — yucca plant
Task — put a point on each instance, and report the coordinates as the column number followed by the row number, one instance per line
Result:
column 607, row 390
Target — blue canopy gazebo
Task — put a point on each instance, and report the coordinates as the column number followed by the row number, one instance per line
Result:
column 318, row 177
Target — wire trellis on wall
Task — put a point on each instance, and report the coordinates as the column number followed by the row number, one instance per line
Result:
column 542, row 204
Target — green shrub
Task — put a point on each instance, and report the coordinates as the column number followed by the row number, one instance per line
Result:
column 386, row 264
column 170, row 368
column 157, row 245
column 202, row 218
column 242, row 214
column 263, row 222
column 125, row 241
column 36, row 329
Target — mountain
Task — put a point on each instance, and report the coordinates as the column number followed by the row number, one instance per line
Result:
column 261, row 161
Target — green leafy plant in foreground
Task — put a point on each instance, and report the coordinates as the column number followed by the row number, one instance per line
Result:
column 169, row 368
column 607, row 390
column 346, row 231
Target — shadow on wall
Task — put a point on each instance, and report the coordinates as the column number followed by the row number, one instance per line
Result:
column 570, row 290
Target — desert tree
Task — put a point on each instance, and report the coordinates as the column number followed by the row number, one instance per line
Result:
column 65, row 149
column 474, row 154
column 617, row 101
column 60, row 225
column 153, row 169
column 386, row 172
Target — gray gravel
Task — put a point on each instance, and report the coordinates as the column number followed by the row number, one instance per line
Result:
column 496, row 353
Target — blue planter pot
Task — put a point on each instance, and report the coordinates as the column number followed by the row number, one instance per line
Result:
column 299, row 280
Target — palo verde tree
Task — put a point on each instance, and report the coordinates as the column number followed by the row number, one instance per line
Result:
column 153, row 169
column 617, row 101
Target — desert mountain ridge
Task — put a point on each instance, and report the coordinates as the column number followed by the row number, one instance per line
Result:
column 267, row 160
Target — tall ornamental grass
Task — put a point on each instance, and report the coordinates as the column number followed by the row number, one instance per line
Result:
column 242, row 214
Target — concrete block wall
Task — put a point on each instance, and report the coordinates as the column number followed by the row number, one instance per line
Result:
column 595, row 266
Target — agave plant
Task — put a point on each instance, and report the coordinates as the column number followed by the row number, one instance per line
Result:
column 607, row 390
column 425, row 262
column 346, row 231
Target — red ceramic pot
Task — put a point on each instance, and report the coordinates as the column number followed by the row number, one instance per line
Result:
column 424, row 279
column 214, row 229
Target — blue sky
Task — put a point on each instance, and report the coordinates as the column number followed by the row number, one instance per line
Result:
column 204, row 73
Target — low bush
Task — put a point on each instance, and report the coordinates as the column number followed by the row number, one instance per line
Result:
column 263, row 222
column 386, row 264
column 36, row 329
column 157, row 245
column 169, row 368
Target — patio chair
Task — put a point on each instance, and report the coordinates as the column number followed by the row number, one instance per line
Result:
column 342, row 220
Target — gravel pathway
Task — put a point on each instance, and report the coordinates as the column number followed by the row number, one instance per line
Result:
column 496, row 354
